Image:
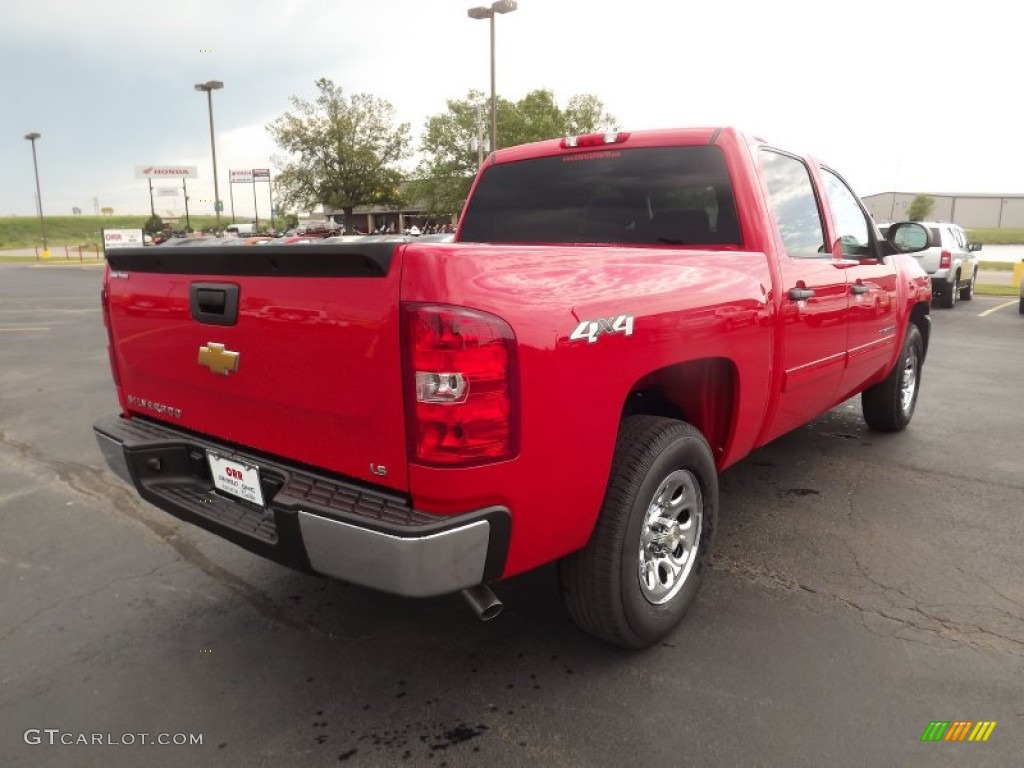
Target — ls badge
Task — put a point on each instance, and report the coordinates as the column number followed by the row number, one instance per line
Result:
column 218, row 359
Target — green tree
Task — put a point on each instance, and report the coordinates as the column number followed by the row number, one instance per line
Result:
column 449, row 145
column 920, row 207
column 343, row 151
column 153, row 225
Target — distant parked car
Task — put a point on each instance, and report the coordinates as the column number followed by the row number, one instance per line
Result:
column 950, row 260
column 319, row 229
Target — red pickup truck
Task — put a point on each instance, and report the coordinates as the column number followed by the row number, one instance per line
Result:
column 621, row 316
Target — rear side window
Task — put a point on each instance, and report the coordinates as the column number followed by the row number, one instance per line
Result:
column 795, row 206
column 642, row 196
column 959, row 238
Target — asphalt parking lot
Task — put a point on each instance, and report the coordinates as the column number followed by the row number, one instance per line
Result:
column 863, row 586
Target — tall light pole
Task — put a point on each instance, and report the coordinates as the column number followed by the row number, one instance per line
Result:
column 39, row 195
column 479, row 136
column 501, row 6
column 210, row 86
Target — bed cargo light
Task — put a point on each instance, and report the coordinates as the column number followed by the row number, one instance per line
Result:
column 460, row 371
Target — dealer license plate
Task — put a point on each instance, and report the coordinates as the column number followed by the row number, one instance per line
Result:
column 235, row 478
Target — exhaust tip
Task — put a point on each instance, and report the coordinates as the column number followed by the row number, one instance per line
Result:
column 483, row 601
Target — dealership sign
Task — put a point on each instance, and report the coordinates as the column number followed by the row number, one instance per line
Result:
column 166, row 172
column 167, row 191
column 122, row 238
column 241, row 177
column 261, row 173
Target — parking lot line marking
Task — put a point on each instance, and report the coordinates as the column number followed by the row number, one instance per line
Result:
column 13, row 330
column 988, row 312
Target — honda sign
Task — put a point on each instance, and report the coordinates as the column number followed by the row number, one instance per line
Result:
column 166, row 172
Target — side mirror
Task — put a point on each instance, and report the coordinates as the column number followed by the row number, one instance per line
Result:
column 974, row 246
column 908, row 237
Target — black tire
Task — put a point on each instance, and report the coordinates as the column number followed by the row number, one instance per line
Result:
column 1022, row 305
column 601, row 584
column 889, row 405
column 966, row 294
column 947, row 299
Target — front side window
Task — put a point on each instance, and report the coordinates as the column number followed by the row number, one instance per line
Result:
column 794, row 204
column 851, row 225
column 643, row 196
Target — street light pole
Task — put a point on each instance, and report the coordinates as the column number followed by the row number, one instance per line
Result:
column 39, row 195
column 479, row 137
column 210, row 86
column 480, row 12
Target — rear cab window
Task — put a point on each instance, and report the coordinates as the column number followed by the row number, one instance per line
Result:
column 659, row 196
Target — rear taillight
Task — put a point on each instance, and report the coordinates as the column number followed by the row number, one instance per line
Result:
column 460, row 382
column 945, row 260
column 105, row 301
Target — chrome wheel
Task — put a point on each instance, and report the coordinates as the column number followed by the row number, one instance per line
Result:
column 670, row 536
column 908, row 390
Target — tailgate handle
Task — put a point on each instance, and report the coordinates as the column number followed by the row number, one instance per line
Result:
column 214, row 303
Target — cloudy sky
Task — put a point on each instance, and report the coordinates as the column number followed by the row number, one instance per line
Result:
column 895, row 94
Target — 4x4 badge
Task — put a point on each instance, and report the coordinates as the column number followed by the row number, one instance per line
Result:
column 591, row 329
column 218, row 359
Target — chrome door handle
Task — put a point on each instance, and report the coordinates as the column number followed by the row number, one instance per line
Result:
column 799, row 294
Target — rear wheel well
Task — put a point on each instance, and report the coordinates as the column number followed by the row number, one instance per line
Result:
column 700, row 392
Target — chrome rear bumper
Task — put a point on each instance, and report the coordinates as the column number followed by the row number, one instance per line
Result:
column 312, row 521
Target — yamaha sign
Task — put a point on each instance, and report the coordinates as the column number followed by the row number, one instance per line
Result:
column 166, row 171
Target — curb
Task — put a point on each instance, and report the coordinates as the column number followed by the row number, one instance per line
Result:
column 77, row 264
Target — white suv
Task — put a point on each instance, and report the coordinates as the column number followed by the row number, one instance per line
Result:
column 950, row 261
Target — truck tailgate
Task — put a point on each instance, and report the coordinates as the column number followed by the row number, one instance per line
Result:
column 289, row 350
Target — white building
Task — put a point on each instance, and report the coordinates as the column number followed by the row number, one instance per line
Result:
column 969, row 211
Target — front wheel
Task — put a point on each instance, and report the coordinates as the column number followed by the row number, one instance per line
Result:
column 642, row 568
column 889, row 405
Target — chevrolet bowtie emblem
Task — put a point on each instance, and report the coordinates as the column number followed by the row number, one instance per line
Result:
column 218, row 359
